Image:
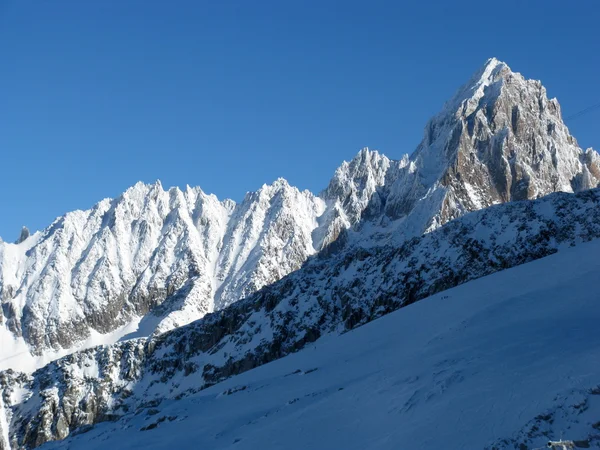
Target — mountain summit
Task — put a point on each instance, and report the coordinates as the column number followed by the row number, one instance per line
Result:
column 498, row 139
column 503, row 139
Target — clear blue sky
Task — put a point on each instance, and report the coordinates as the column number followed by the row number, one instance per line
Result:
column 96, row 95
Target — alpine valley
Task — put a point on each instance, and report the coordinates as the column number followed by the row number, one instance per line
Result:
column 145, row 310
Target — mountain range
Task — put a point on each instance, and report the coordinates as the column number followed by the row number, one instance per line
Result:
column 185, row 290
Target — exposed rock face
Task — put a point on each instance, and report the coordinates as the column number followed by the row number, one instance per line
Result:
column 498, row 139
column 76, row 390
column 509, row 133
column 331, row 293
column 24, row 235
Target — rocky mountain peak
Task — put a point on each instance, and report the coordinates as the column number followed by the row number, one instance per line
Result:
column 500, row 139
column 355, row 182
column 492, row 73
column 24, row 235
column 351, row 191
column 367, row 165
column 150, row 260
column 279, row 186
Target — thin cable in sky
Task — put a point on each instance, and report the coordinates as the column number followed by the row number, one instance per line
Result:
column 583, row 111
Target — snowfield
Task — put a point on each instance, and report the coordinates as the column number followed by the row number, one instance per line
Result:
column 505, row 361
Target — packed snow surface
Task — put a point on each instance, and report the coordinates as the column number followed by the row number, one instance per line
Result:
column 512, row 358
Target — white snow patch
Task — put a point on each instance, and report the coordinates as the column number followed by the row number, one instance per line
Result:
column 15, row 353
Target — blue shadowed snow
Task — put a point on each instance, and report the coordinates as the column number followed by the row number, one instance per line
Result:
column 460, row 370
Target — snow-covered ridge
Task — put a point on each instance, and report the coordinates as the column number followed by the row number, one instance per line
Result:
column 100, row 269
column 158, row 259
column 103, row 270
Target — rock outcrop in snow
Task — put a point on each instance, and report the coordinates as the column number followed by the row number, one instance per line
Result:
column 24, row 235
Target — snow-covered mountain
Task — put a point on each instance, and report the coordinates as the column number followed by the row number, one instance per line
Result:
column 97, row 271
column 95, row 276
column 282, row 268
column 332, row 293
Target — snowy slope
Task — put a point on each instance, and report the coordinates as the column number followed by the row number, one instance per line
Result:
column 506, row 360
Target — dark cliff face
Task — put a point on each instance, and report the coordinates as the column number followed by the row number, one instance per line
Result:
column 24, row 235
column 80, row 389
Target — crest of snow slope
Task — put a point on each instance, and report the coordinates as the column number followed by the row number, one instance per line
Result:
column 334, row 292
column 498, row 139
column 507, row 361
